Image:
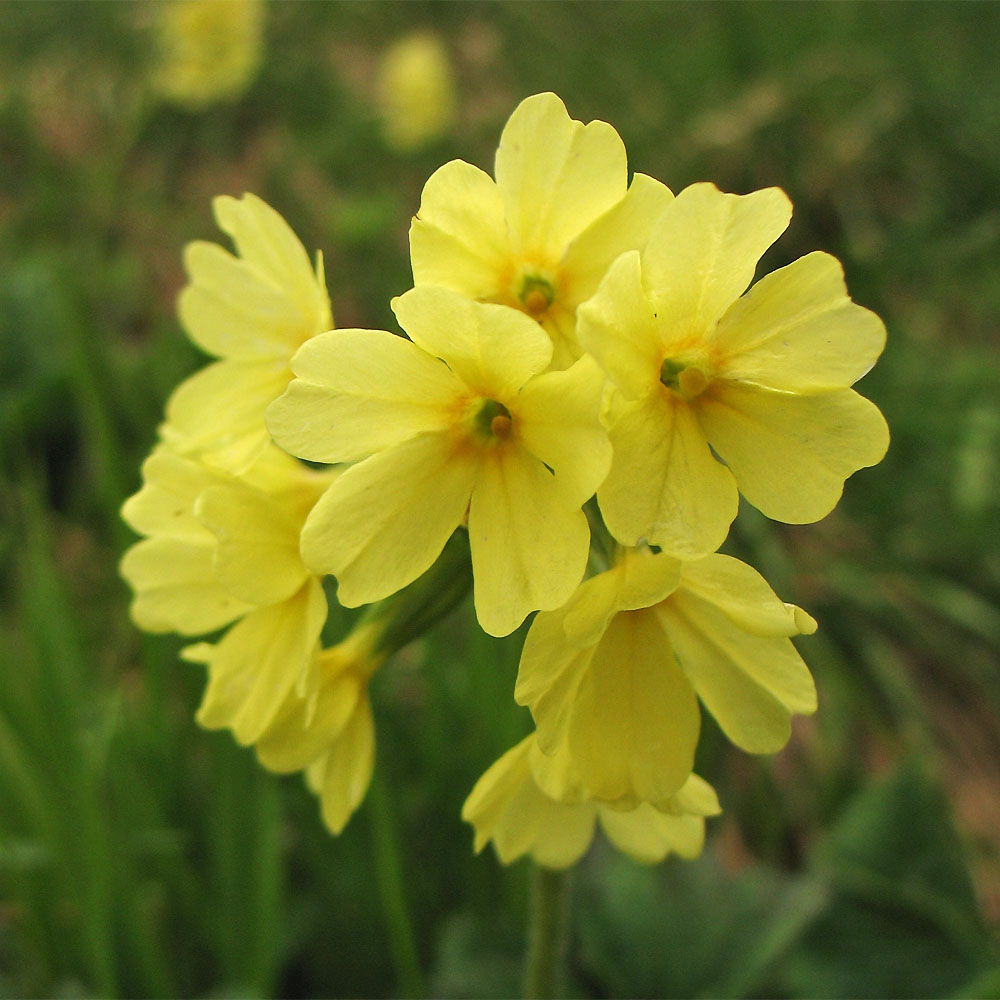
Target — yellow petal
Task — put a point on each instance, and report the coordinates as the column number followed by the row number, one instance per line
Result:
column 750, row 684
column 165, row 504
column 359, row 391
column 342, row 777
column 459, row 239
column 484, row 808
column 549, row 673
column 266, row 242
column 796, row 329
column 257, row 552
column 635, row 720
column 260, row 660
column 619, row 326
column 639, row 579
column 507, row 807
column 556, row 417
column 217, row 415
column 790, row 454
column 305, row 729
column 665, row 485
column 743, row 595
column 232, row 311
column 696, row 797
column 648, row 836
column 556, row 175
column 384, row 521
column 529, row 550
column 493, row 349
column 703, row 252
column 626, row 226
column 175, row 590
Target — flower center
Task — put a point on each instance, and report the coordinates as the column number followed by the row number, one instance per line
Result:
column 685, row 377
column 536, row 294
column 493, row 420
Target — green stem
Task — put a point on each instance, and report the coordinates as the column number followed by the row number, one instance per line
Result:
column 547, row 933
column 392, row 894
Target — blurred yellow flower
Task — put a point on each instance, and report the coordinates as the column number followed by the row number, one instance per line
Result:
column 253, row 310
column 615, row 675
column 460, row 424
column 208, row 50
column 763, row 380
column 541, row 236
column 415, row 91
column 222, row 549
column 514, row 805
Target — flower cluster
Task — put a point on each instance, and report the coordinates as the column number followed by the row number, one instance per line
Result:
column 584, row 388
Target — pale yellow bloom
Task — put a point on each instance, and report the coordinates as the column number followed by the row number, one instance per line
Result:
column 541, row 236
column 223, row 549
column 415, row 91
column 209, row 50
column 253, row 310
column 330, row 736
column 763, row 380
column 615, row 675
column 461, row 424
column 528, row 803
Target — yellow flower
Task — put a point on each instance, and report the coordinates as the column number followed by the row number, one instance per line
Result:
column 415, row 91
column 485, row 435
column 253, row 310
column 514, row 805
column 330, row 736
column 222, row 548
column 615, row 674
column 540, row 237
column 209, row 50
column 763, row 380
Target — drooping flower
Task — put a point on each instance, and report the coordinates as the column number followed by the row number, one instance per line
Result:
column 223, row 550
column 763, row 380
column 253, row 310
column 541, row 236
column 460, row 424
column 330, row 736
column 415, row 91
column 208, row 50
column 530, row 803
column 615, row 674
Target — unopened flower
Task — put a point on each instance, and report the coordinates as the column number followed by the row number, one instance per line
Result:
column 615, row 675
column 763, row 380
column 460, row 424
column 515, row 805
column 253, row 310
column 541, row 236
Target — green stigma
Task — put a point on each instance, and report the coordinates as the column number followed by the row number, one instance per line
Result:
column 686, row 379
column 493, row 420
column 536, row 294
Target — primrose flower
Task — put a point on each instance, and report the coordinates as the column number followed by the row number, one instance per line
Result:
column 220, row 550
column 253, row 310
column 541, row 236
column 514, row 805
column 763, row 380
column 615, row 675
column 331, row 735
column 415, row 91
column 460, row 424
column 208, row 50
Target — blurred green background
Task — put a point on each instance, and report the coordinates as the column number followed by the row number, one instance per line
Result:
column 141, row 856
